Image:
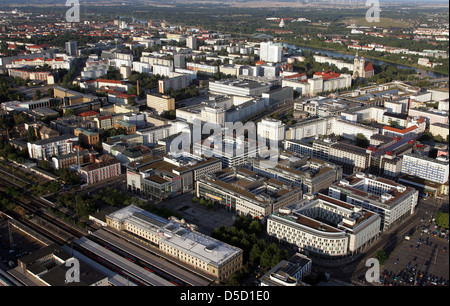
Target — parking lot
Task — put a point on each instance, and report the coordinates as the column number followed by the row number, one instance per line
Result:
column 423, row 260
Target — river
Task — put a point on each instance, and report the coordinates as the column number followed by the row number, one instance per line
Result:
column 337, row 54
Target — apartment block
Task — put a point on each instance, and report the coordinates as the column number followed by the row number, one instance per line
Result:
column 160, row 103
column 432, row 169
column 45, row 149
column 100, row 170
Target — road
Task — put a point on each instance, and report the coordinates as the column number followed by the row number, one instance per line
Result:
column 354, row 268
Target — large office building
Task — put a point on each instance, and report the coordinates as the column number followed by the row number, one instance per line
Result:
column 324, row 226
column 243, row 191
column 161, row 177
column 179, row 241
column 243, row 88
column 312, row 175
column 432, row 169
column 351, row 158
column 231, row 151
column 392, row 201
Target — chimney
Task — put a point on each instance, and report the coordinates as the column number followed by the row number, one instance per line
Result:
column 92, row 158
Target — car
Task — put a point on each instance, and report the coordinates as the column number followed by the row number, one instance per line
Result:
column 410, row 247
column 415, row 258
column 408, row 265
column 417, row 246
column 396, row 261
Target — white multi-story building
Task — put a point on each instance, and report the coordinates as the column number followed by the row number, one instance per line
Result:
column 272, row 130
column 433, row 169
column 46, row 148
column 153, row 134
column 324, row 226
column 239, row 87
column 270, row 52
column 392, row 201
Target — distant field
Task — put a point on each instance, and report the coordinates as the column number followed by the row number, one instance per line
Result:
column 384, row 22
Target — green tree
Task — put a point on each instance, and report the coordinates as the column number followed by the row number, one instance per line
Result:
column 381, row 256
column 362, row 141
column 254, row 255
column 442, row 219
column 266, row 258
column 37, row 94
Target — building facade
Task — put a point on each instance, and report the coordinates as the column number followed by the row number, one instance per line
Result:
column 324, row 226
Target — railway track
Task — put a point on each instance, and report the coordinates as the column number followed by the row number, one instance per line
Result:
column 37, row 216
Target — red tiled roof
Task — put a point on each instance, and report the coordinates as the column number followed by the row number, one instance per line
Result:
column 404, row 131
column 327, row 74
column 88, row 114
column 368, row 67
column 109, row 81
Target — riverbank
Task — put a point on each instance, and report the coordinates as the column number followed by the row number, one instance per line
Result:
column 353, row 53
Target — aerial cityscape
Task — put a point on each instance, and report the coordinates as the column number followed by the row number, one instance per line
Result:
column 217, row 144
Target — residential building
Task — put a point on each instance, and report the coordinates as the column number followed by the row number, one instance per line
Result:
column 243, row 88
column 129, row 127
column 351, row 158
column 87, row 137
column 231, row 151
column 151, row 135
column 47, row 133
column 46, row 148
column 432, row 169
column 270, row 52
column 67, row 160
column 160, row 103
column 439, row 129
column 191, row 42
column 175, row 81
column 100, row 170
column 72, row 48
column 104, row 122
